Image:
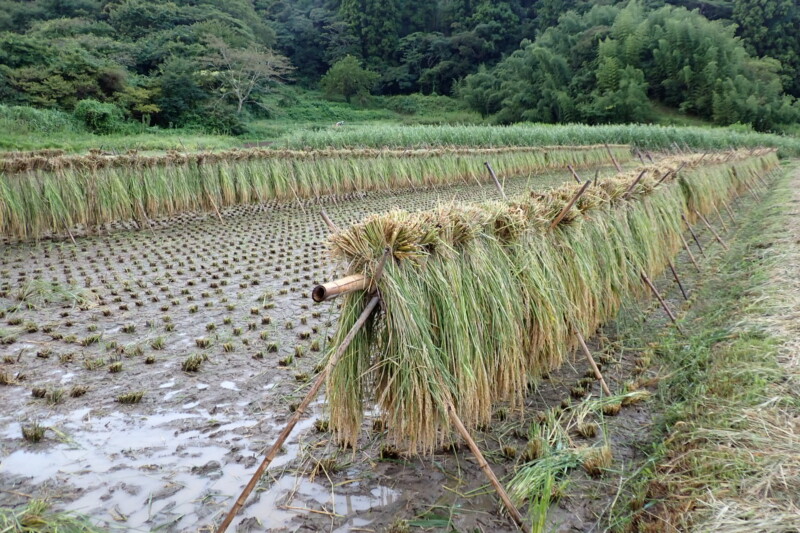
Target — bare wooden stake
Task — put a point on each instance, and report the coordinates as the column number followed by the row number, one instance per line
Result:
column 216, row 210
column 678, row 280
column 632, row 185
column 569, row 205
column 663, row 303
column 512, row 510
column 574, row 174
column 730, row 213
column 496, row 181
column 312, row 393
column 639, row 155
column 328, row 222
column 592, row 363
column 694, row 236
column 665, row 176
column 650, row 157
column 719, row 215
column 613, row 159
column 711, row 229
column 689, row 252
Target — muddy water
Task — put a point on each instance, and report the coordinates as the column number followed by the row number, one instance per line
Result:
column 234, row 291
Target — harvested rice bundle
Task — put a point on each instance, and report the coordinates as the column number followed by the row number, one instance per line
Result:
column 478, row 300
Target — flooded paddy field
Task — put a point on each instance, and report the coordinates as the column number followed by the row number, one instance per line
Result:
column 157, row 364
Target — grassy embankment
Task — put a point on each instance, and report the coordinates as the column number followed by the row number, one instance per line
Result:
column 727, row 451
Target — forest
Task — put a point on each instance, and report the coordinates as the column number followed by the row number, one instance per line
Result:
column 217, row 65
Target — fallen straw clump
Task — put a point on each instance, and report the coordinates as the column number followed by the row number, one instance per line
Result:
column 479, row 300
column 40, row 196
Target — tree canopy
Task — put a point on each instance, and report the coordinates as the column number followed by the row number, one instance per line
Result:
column 553, row 60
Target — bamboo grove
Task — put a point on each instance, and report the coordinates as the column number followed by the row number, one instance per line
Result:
column 480, row 300
column 40, row 197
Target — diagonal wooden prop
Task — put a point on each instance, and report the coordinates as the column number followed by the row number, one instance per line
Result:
column 663, row 303
column 496, row 181
column 569, row 205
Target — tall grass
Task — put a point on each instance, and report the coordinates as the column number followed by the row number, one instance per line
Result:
column 53, row 198
column 645, row 136
column 481, row 299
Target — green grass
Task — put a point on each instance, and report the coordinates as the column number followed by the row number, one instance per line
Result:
column 726, row 457
column 36, row 517
column 651, row 137
column 26, row 128
column 501, row 266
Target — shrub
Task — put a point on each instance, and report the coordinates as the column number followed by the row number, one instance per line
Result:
column 99, row 117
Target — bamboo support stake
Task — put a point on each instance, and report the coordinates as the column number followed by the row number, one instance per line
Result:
column 569, row 205
column 512, row 510
column 632, row 185
column 650, row 157
column 574, row 174
column 694, row 236
column 613, row 159
column 216, row 210
column 665, row 176
column 678, row 280
column 496, row 181
column 730, row 212
column 721, row 221
column 312, row 393
column 592, row 363
column 328, row 222
column 689, row 252
column 639, row 155
column 663, row 303
column 711, row 229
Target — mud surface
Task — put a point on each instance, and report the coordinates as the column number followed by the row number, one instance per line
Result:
column 88, row 322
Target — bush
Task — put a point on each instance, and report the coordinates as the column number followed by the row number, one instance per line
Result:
column 220, row 119
column 99, row 117
column 25, row 120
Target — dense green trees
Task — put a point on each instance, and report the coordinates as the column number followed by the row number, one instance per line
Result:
column 185, row 62
column 607, row 65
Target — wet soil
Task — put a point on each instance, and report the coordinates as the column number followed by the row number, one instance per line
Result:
column 235, row 292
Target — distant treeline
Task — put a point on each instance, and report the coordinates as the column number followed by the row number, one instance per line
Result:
column 214, row 63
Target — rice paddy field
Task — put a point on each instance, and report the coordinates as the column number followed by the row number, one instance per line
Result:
column 154, row 343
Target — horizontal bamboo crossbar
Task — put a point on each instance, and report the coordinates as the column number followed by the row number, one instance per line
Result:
column 332, row 289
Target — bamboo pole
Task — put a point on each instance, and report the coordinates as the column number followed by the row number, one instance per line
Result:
column 689, row 252
column 512, row 510
column 613, row 159
column 569, row 205
column 663, row 303
column 592, row 363
column 574, row 174
column 328, row 222
column 496, row 181
column 721, row 221
column 730, row 213
column 334, row 288
column 678, row 280
column 711, row 229
column 694, row 236
column 312, row 393
column 665, row 176
column 632, row 185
